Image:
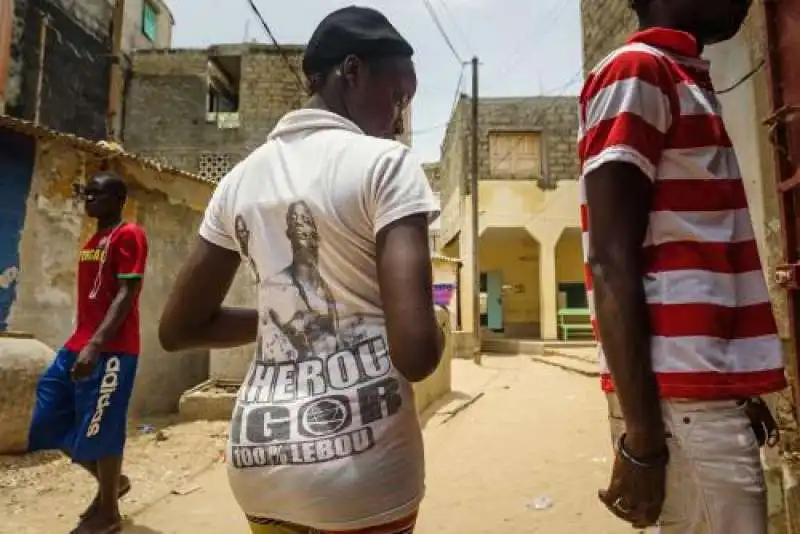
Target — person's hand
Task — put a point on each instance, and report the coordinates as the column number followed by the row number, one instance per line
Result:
column 636, row 493
column 85, row 362
column 763, row 423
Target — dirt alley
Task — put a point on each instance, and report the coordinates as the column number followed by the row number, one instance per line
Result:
column 527, row 456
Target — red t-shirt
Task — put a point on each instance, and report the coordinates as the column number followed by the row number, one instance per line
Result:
column 125, row 252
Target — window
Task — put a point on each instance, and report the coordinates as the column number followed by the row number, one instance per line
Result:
column 149, row 21
column 574, row 294
column 515, row 155
column 221, row 100
column 223, row 89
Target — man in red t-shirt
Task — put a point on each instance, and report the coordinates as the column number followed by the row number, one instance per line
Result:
column 82, row 399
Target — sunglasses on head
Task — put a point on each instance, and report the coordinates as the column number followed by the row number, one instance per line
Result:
column 82, row 192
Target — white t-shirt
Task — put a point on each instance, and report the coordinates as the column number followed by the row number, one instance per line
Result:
column 325, row 432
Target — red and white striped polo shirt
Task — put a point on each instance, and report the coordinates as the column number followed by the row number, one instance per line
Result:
column 651, row 103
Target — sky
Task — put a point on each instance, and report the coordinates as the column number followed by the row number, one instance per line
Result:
column 529, row 47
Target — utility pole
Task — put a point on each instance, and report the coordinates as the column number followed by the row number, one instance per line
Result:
column 116, row 83
column 476, row 271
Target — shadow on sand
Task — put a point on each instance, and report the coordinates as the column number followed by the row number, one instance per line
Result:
column 433, row 409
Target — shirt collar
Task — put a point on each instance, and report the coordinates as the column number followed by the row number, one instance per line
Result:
column 676, row 41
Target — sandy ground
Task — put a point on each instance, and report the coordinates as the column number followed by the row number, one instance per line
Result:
column 43, row 493
column 527, row 456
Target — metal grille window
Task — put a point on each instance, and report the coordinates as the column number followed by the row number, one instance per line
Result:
column 214, row 166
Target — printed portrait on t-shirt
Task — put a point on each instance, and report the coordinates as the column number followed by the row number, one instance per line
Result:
column 299, row 304
column 243, row 239
column 321, row 375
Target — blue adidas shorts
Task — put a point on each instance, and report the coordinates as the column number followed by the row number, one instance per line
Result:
column 86, row 419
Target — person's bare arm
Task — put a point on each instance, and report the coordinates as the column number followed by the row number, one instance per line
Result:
column 119, row 309
column 194, row 316
column 406, row 283
column 618, row 199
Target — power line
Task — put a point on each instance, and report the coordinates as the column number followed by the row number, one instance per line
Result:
column 458, row 88
column 300, row 81
column 429, row 129
column 445, row 123
column 458, row 27
column 443, row 33
column 542, row 112
column 553, row 17
column 546, row 109
column 744, row 78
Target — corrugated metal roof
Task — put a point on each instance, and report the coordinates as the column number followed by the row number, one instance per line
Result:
column 100, row 148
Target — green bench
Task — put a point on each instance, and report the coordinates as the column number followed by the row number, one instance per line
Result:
column 572, row 321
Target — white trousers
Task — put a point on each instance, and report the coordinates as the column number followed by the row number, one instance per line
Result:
column 715, row 480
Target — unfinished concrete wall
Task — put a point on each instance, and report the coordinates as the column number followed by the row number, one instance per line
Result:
column 556, row 118
column 606, row 24
column 162, row 377
column 167, row 103
column 73, row 64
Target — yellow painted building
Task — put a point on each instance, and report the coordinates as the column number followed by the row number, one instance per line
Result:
column 529, row 251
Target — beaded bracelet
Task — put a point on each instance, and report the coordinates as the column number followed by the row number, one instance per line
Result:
column 661, row 460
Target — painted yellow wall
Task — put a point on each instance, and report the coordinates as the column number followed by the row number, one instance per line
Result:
column 444, row 272
column 544, row 215
column 569, row 257
column 451, row 218
column 509, row 202
column 516, row 255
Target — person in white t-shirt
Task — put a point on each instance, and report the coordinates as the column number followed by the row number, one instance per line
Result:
column 331, row 214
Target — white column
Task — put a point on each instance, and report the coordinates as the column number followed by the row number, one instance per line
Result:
column 548, row 287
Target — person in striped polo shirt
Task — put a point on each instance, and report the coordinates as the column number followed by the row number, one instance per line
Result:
column 680, row 305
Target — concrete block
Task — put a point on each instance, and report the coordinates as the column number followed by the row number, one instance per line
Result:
column 23, row 359
column 213, row 400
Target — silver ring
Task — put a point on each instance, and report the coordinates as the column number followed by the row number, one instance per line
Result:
column 618, row 506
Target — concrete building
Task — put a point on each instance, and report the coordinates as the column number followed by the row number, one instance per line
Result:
column 529, row 250
column 55, row 57
column 58, row 65
column 758, row 78
column 203, row 110
column 147, row 24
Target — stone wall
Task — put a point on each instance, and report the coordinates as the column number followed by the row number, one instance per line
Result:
column 74, row 96
column 606, row 24
column 165, row 111
column 555, row 117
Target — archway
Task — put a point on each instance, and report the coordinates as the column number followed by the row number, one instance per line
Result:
column 571, row 292
column 510, row 287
